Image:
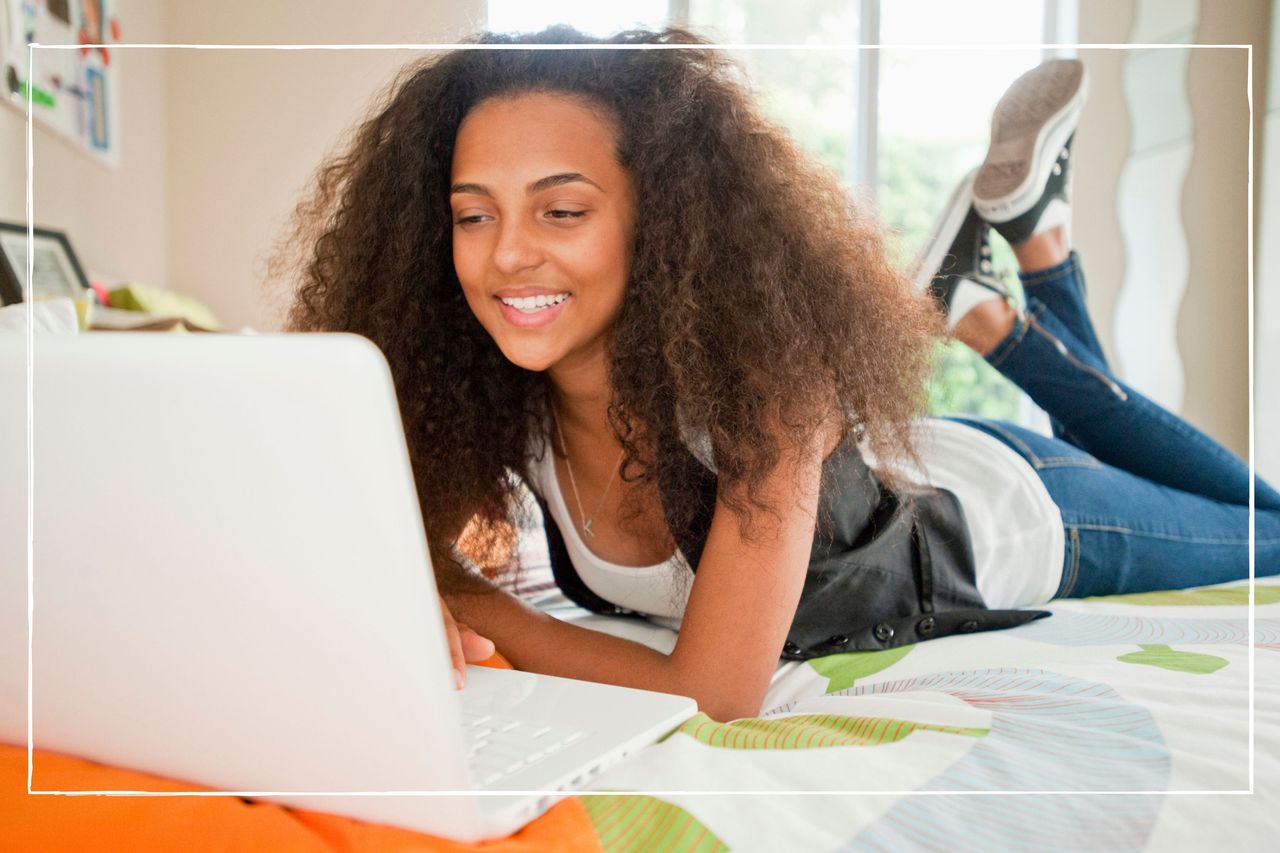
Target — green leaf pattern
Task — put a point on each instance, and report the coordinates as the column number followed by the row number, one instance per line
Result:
column 1157, row 654
column 641, row 822
column 810, row 731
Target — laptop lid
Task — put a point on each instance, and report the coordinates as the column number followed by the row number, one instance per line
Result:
column 230, row 571
column 232, row 584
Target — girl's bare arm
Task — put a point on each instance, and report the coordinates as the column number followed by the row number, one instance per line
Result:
column 742, row 603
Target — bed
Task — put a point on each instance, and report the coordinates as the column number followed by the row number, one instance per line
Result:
column 1118, row 723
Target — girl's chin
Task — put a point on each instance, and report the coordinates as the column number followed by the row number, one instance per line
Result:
column 530, row 359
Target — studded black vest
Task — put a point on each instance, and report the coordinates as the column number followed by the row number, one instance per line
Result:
column 884, row 571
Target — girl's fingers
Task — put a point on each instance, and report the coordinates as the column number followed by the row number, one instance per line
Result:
column 455, row 646
column 475, row 647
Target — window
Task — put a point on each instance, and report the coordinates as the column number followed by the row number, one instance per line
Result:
column 900, row 124
column 933, row 115
column 597, row 17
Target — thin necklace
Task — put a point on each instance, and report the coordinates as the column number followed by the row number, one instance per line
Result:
column 586, row 522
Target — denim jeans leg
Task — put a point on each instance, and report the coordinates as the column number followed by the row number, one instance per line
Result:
column 1061, row 289
column 1127, row 534
column 1113, row 422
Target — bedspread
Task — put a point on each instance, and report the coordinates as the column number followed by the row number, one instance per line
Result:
column 1063, row 722
column 1112, row 725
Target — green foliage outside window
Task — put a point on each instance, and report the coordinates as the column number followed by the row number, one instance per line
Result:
column 915, row 183
column 814, row 95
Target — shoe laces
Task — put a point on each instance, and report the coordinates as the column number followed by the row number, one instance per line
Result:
column 984, row 249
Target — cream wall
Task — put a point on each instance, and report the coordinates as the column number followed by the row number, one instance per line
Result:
column 1204, row 195
column 217, row 147
column 1100, row 159
column 1214, row 323
column 116, row 217
column 1267, row 316
column 247, row 128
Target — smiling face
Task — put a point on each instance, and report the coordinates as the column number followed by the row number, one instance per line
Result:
column 543, row 221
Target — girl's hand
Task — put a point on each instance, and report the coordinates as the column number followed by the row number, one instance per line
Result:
column 465, row 645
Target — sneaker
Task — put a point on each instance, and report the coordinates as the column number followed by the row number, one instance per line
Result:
column 955, row 264
column 1021, row 187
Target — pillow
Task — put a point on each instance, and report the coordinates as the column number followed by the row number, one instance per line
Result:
column 48, row 315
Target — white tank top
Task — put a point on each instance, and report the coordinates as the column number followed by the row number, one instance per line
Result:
column 660, row 591
column 1014, row 525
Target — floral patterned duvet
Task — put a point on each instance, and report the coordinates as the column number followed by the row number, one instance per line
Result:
column 1118, row 723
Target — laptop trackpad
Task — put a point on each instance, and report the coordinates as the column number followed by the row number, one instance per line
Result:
column 497, row 690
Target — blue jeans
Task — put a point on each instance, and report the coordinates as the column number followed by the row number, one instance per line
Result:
column 1148, row 501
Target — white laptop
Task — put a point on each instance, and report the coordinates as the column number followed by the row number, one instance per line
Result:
column 232, row 587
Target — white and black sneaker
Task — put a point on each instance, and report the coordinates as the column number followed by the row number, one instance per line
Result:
column 955, row 264
column 1022, row 187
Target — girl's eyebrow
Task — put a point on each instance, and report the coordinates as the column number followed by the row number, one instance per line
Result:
column 536, row 187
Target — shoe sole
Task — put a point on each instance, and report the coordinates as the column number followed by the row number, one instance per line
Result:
column 1047, row 100
column 943, row 234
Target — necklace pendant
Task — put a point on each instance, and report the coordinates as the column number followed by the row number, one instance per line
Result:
column 586, row 527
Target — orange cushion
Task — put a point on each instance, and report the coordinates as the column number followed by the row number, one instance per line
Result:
column 48, row 822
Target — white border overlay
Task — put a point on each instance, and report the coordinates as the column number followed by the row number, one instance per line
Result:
column 729, row 47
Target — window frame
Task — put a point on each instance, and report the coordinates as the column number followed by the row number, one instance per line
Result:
column 1059, row 28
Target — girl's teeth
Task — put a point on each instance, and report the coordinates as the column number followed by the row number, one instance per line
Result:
column 532, row 304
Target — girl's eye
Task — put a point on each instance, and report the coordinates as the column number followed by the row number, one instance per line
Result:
column 468, row 220
column 566, row 214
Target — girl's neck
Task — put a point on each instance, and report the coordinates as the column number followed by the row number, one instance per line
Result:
column 580, row 398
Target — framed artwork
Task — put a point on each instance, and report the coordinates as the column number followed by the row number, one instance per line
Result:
column 74, row 93
column 55, row 269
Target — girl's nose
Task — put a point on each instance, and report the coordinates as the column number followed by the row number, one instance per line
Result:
column 517, row 248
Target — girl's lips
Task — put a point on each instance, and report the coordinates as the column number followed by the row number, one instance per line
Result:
column 518, row 318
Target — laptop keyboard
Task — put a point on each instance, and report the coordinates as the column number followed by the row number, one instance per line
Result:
column 499, row 746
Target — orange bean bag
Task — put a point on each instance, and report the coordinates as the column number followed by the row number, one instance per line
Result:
column 44, row 822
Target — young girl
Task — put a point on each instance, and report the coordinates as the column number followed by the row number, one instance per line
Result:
column 603, row 273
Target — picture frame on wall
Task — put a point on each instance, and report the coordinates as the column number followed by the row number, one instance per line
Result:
column 75, row 94
column 56, row 270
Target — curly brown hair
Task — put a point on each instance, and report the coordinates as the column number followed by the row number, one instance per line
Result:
column 758, row 293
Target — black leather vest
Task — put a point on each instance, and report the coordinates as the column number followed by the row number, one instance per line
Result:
column 884, row 570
